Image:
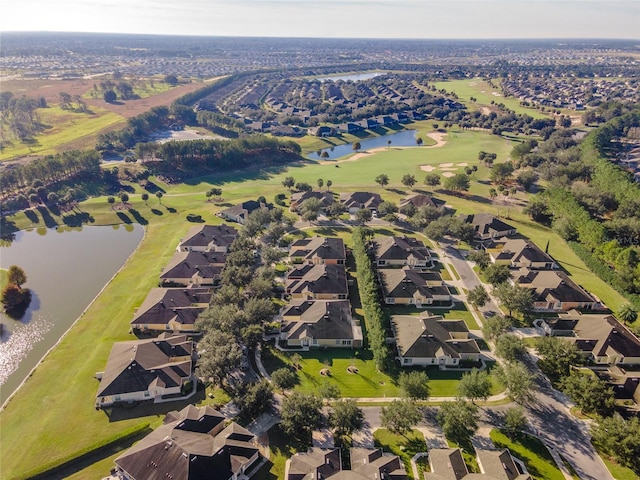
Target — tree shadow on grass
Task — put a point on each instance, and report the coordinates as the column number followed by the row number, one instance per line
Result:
column 32, row 216
column 138, row 217
column 171, row 209
column 49, row 221
column 124, row 217
column 77, row 219
column 155, row 211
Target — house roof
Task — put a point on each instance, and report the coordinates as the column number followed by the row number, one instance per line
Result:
column 189, row 264
column 517, row 250
column 361, row 200
column 163, row 305
column 316, row 463
column 320, row 319
column 190, row 445
column 431, row 337
column 420, row 199
column 136, row 365
column 326, row 198
column 205, row 235
column 244, row 209
column 376, row 464
column 400, row 248
column 325, row 248
column 499, row 465
column 407, row 283
column 447, row 464
column 551, row 286
column 318, row 279
column 485, row 224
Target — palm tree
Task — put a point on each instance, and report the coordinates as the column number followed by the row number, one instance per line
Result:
column 388, row 144
column 329, row 183
column 627, row 313
column 356, row 146
column 159, row 195
column 145, row 198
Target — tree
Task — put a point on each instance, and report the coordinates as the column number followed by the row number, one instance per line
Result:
column 518, row 381
column 111, row 200
column 627, row 313
column 300, row 414
column 419, row 141
column 514, row 420
column 382, row 180
column 619, row 438
column 328, row 390
column 320, row 183
column 303, row 187
column 254, row 399
column 388, row 144
column 493, row 193
column 432, row 179
column 478, row 296
column 284, row 379
column 509, row 347
column 310, row 208
column 288, row 182
column 17, row 276
column 110, row 96
column 589, row 393
column 495, row 326
column 387, row 208
column 324, row 154
column 400, row 416
column 457, row 183
column 363, row 216
column 171, row 79
column 500, row 172
column 214, row 192
column 356, row 146
column 481, row 258
column 459, row 420
column 475, row 384
column 408, row 180
column 527, row 178
column 345, row 417
column 414, row 384
column 15, row 299
column 219, row 354
column 124, row 198
column 514, row 298
column 159, row 195
column 145, row 198
column 329, row 183
column 496, row 273
column 558, row 355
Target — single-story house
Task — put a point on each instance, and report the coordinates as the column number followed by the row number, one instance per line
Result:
column 192, row 444
column 171, row 309
column 193, row 268
column 400, row 251
column 321, row 131
column 239, row 213
column 518, row 253
column 554, row 290
column 326, row 199
column 349, row 127
column 448, row 464
column 602, row 338
column 320, row 323
column 326, row 463
column 317, row 250
column 431, row 340
column 146, row 370
column 411, row 287
column 318, row 282
column 206, row 238
column 488, row 226
column 354, row 201
column 421, row 200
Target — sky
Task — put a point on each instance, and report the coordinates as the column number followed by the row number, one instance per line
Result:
column 442, row 19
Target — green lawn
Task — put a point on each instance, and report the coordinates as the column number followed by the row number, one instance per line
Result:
column 618, row 471
column 532, row 452
column 405, row 446
column 468, row 454
column 4, row 278
column 282, row 447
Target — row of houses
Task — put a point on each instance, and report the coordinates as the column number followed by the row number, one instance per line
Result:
column 162, row 368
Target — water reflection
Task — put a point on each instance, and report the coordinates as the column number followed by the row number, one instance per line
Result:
column 18, row 343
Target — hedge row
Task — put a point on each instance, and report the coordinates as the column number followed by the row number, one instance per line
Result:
column 373, row 315
column 46, row 470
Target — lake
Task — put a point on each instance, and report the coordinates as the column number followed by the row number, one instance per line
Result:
column 405, row 138
column 354, row 77
column 65, row 270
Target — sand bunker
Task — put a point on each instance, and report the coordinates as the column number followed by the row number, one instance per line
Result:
column 446, row 165
column 427, row 168
column 462, row 164
column 448, row 174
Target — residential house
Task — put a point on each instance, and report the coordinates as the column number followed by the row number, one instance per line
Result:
column 320, row 323
column 554, row 290
column 401, row 251
column 321, row 131
column 192, row 444
column 239, row 213
column 354, row 201
column 421, row 200
column 625, row 383
column 206, row 238
column 317, row 250
column 193, row 268
column 431, row 340
column 448, row 464
column 326, row 199
column 488, row 226
column 407, row 286
column 146, row 370
column 171, row 309
column 326, row 463
column 601, row 338
column 518, row 253
column 318, row 282
column 349, row 127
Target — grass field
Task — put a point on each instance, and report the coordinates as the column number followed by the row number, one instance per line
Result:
column 62, row 389
column 65, row 130
column 532, row 452
column 485, row 93
column 618, row 471
column 404, row 446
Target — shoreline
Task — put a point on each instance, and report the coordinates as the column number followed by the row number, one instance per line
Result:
column 22, row 383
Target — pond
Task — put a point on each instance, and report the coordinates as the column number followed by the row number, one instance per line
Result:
column 405, row 138
column 354, row 77
column 66, row 269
